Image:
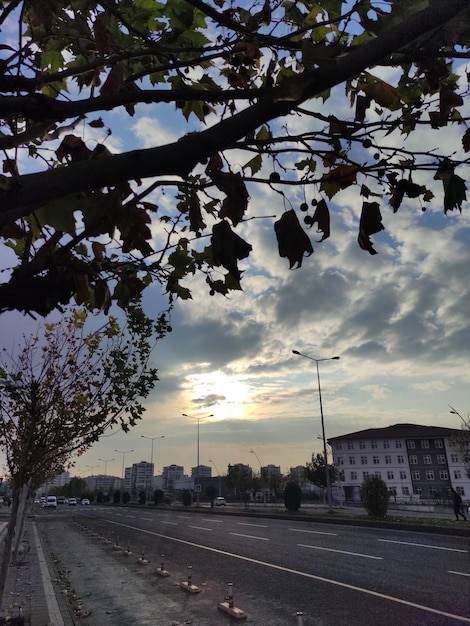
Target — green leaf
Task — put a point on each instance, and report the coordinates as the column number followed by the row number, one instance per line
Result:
column 254, row 164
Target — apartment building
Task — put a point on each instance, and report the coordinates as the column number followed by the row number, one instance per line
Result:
column 416, row 462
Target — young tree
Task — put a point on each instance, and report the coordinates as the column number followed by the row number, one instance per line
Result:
column 243, row 81
column 316, row 471
column 60, row 393
column 240, row 480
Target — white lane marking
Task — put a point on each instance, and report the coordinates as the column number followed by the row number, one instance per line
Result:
column 365, row 556
column 213, row 521
column 449, row 571
column 288, row 570
column 131, row 516
column 255, row 525
column 314, row 532
column 171, row 523
column 250, row 536
column 118, row 514
column 200, row 527
column 183, row 516
column 422, row 545
column 147, row 519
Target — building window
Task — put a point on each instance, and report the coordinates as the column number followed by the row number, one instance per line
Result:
column 338, row 446
column 457, row 474
column 413, row 459
column 363, row 460
column 388, row 459
column 432, row 492
column 417, row 491
column 427, row 459
column 405, row 491
column 352, row 460
column 362, row 445
column 400, row 459
column 438, row 443
column 454, row 458
column 386, row 444
column 410, row 444
column 378, row 474
column 353, row 475
column 341, row 476
column 350, row 445
column 415, row 475
column 376, row 460
column 441, row 459
column 429, row 475
column 398, row 444
column 389, row 475
column 402, row 475
column 373, row 445
column 340, row 460
column 460, row 490
column 425, row 443
column 365, row 475
column 443, row 475
column 393, row 491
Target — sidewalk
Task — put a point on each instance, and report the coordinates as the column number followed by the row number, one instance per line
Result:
column 29, row 590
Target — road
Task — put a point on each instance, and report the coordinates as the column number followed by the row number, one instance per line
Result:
column 336, row 575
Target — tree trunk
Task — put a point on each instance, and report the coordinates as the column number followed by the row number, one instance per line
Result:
column 20, row 520
column 8, row 543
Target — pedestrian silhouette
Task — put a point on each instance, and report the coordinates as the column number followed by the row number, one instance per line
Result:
column 458, row 505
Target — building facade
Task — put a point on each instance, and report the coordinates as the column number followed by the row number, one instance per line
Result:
column 416, row 462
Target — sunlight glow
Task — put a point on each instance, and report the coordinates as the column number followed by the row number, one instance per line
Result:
column 226, row 396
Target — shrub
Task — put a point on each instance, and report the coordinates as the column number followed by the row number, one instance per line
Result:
column 117, row 497
column 142, row 497
column 374, row 496
column 292, row 496
column 158, row 496
column 186, row 497
column 126, row 496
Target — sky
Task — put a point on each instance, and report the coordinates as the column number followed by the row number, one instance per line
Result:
column 399, row 321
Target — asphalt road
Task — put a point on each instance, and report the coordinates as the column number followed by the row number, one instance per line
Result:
column 336, row 575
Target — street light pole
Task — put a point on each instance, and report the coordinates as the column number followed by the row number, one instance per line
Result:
column 219, row 476
column 105, row 461
column 325, row 451
column 152, row 439
column 123, row 452
column 260, row 474
column 197, row 468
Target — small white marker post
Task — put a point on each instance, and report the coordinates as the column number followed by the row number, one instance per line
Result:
column 228, row 606
column 161, row 571
column 188, row 585
column 300, row 618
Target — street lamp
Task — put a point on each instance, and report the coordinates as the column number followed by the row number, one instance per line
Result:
column 220, row 477
column 123, row 452
column 152, row 439
column 260, row 474
column 197, row 486
column 105, row 461
column 92, row 473
column 325, row 452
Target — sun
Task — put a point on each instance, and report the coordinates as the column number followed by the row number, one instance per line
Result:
column 226, row 396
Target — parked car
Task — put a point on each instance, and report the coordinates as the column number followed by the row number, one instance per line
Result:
column 220, row 501
column 60, row 499
column 72, row 501
column 85, row 501
column 50, row 503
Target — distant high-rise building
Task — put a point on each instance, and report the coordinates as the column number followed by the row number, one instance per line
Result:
column 201, row 471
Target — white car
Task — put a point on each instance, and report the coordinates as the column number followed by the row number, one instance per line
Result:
column 85, row 501
column 50, row 503
column 220, row 501
column 72, row 501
